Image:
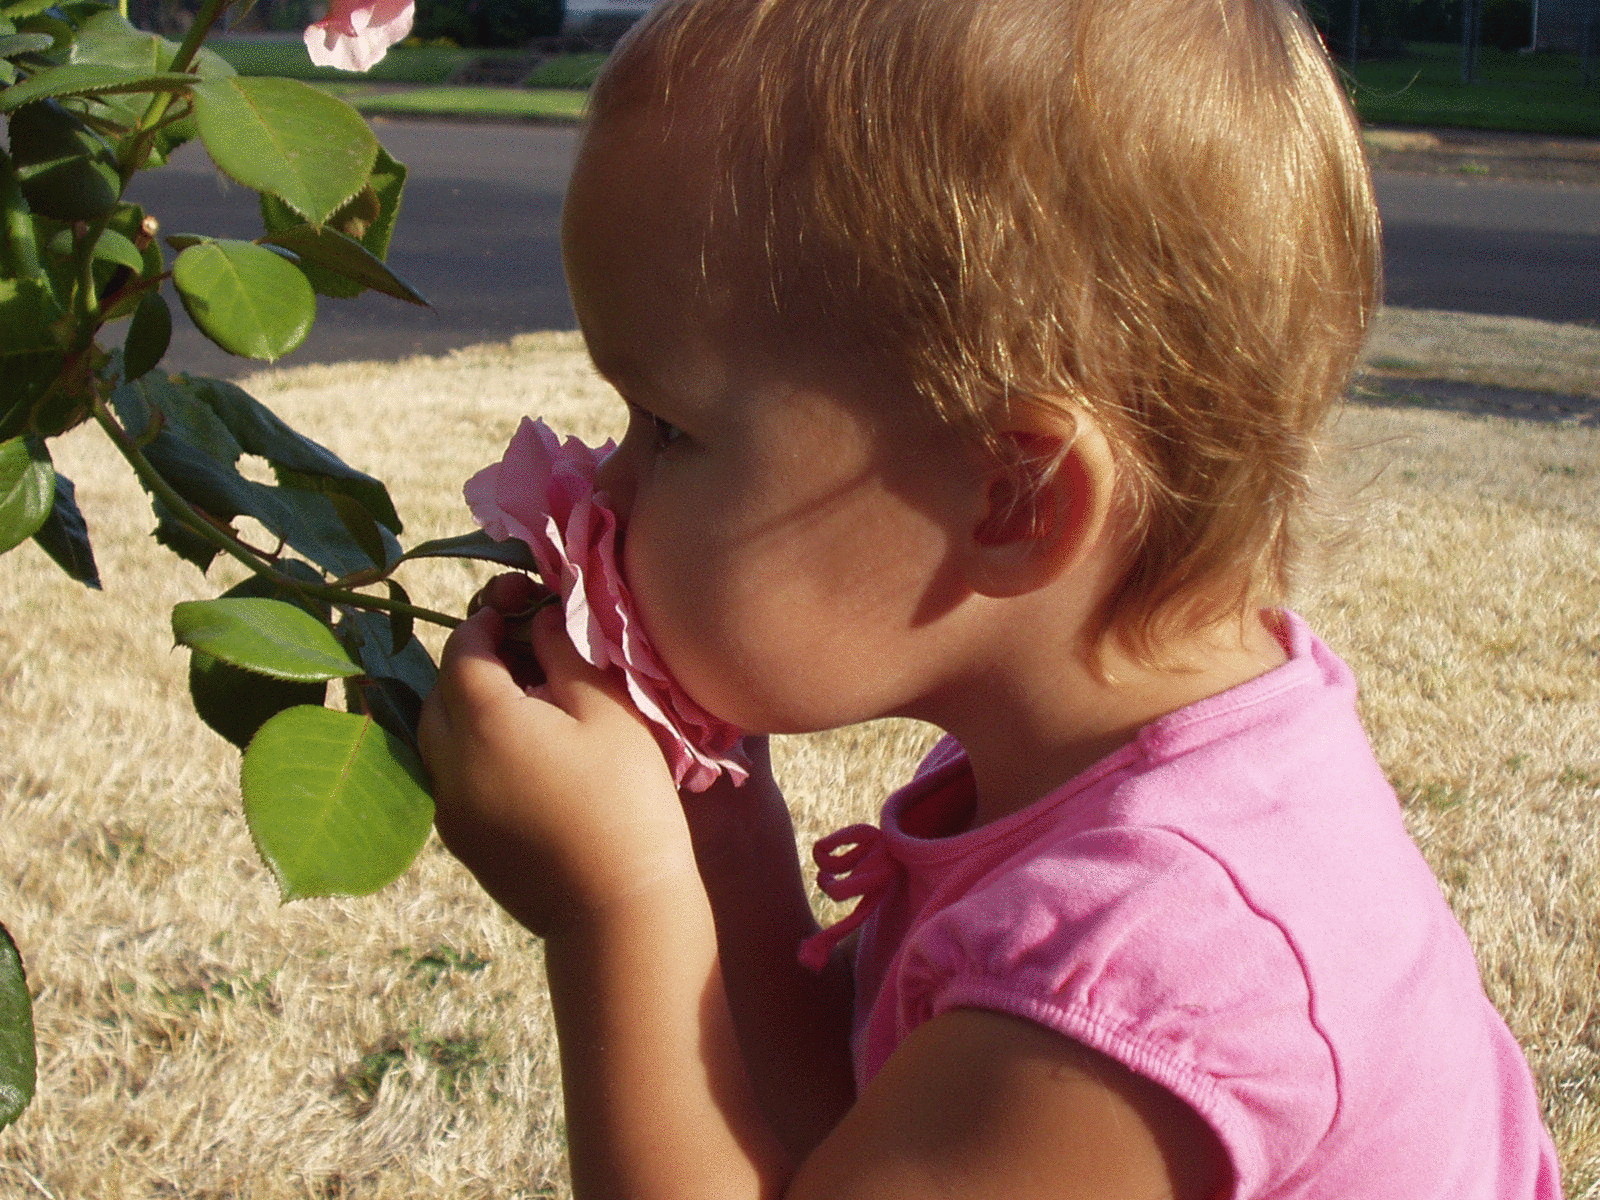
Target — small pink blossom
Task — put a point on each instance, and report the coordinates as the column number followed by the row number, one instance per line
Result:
column 543, row 494
column 356, row 34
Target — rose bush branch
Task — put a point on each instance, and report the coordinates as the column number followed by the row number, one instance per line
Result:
column 220, row 534
column 331, row 786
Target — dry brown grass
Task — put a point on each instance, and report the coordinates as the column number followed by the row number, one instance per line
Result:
column 1511, row 352
column 200, row 1041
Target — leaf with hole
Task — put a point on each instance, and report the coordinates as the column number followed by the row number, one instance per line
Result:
column 245, row 298
column 336, row 804
column 189, row 441
column 297, row 461
column 309, row 149
column 270, row 637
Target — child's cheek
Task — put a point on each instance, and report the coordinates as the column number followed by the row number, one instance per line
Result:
column 685, row 581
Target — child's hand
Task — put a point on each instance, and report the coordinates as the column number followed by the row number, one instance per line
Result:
column 558, row 801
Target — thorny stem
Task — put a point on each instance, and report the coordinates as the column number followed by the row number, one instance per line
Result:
column 139, row 150
column 197, row 523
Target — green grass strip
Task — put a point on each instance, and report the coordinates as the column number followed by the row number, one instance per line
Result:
column 1533, row 93
column 550, row 104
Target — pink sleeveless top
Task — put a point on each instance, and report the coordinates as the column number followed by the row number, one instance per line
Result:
column 1230, row 906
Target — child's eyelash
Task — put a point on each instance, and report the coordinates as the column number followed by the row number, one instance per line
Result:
column 662, row 432
column 666, row 432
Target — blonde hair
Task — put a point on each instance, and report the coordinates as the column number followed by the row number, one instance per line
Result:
column 1153, row 213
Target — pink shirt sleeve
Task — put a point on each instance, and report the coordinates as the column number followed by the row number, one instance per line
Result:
column 1147, row 952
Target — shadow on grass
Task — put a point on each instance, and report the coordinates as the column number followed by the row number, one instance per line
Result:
column 1476, row 399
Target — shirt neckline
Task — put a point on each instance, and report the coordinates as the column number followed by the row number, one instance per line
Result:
column 1162, row 739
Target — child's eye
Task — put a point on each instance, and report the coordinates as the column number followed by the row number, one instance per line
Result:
column 665, row 432
column 662, row 433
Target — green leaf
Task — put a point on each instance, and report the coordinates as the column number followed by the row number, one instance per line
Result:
column 236, row 703
column 369, row 217
column 110, row 39
column 270, row 637
column 309, row 149
column 190, row 443
column 19, row 243
column 392, row 703
column 18, row 1058
column 397, row 676
column 17, row 9
column 336, row 804
column 364, row 531
column 16, row 44
column 401, row 625
column 30, row 356
column 65, row 169
column 326, row 247
column 310, row 522
column 369, row 636
column 106, row 38
column 245, row 298
column 149, row 335
column 181, row 540
column 270, row 589
column 476, row 545
column 90, row 79
column 40, row 20
column 27, row 490
column 65, row 537
column 110, row 246
column 297, row 460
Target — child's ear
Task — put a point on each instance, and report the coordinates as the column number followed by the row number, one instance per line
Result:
column 1046, row 497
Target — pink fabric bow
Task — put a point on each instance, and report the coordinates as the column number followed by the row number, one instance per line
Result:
column 543, row 494
column 852, row 862
column 356, row 34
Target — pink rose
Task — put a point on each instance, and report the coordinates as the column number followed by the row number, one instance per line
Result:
column 542, row 493
column 356, row 34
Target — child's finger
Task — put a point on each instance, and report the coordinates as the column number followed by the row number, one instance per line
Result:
column 575, row 685
column 471, row 670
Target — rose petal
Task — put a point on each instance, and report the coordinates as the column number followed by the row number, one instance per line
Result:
column 356, row 34
column 542, row 493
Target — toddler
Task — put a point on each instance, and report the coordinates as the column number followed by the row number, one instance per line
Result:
column 974, row 352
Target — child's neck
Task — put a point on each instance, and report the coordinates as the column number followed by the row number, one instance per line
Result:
column 1044, row 720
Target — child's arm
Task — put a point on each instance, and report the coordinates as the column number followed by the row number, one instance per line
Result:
column 793, row 1025
column 567, row 814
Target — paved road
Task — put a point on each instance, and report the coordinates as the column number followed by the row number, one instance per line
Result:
column 1503, row 247
column 479, row 238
